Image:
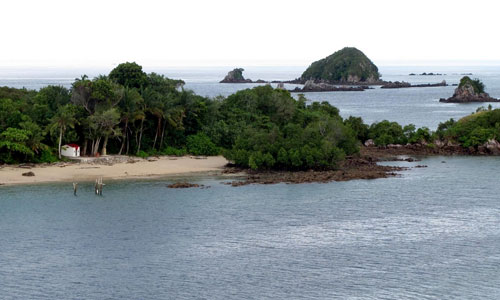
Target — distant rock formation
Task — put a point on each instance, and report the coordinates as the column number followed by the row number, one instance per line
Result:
column 235, row 76
column 426, row 74
column 311, row 86
column 348, row 65
column 469, row 91
column 404, row 84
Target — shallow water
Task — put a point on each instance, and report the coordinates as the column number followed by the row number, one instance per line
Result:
column 430, row 233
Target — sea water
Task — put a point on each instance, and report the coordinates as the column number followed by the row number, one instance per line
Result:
column 429, row 233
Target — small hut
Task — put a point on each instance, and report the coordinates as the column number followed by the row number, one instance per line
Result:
column 70, row 150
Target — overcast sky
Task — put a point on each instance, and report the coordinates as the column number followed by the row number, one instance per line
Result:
column 245, row 33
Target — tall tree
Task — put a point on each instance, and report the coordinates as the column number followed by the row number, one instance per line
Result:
column 129, row 74
column 64, row 118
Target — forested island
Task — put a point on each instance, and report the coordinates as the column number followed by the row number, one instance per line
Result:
column 133, row 113
column 470, row 90
column 348, row 65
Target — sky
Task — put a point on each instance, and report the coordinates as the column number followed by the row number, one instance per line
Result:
column 188, row 33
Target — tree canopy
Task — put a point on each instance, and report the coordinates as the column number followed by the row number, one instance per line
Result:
column 347, row 64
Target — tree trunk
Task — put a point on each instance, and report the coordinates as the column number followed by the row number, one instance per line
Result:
column 162, row 133
column 96, row 145
column 104, row 145
column 92, row 145
column 128, row 142
column 84, row 150
column 158, row 127
column 140, row 137
column 60, row 141
column 124, row 138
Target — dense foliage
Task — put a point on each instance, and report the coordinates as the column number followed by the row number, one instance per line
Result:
column 473, row 130
column 134, row 113
column 341, row 65
column 131, row 112
column 267, row 128
column 476, row 84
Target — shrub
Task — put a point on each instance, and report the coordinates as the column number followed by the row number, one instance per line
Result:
column 200, row 144
column 47, row 156
column 142, row 154
column 174, row 151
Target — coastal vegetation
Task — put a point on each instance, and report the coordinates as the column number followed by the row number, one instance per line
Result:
column 476, row 84
column 346, row 65
column 131, row 112
column 470, row 90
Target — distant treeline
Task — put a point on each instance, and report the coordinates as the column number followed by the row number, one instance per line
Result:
column 134, row 113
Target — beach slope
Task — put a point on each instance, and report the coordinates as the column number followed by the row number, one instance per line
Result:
column 132, row 168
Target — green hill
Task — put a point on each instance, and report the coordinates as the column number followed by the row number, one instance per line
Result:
column 348, row 65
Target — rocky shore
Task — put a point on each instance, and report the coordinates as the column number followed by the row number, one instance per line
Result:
column 365, row 164
column 359, row 167
column 330, row 82
column 311, row 86
column 403, row 84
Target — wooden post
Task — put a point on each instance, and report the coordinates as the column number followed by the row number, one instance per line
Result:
column 75, row 188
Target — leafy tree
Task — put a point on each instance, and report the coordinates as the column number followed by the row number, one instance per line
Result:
column 200, row 144
column 13, row 147
column 129, row 74
column 62, row 120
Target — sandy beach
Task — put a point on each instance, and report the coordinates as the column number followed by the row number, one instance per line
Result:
column 128, row 169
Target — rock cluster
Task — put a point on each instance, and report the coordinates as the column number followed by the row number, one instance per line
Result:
column 466, row 93
column 182, row 185
column 404, row 84
column 311, row 86
column 427, row 74
column 469, row 91
column 235, row 76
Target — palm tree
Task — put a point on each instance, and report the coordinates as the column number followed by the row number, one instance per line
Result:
column 129, row 109
column 64, row 118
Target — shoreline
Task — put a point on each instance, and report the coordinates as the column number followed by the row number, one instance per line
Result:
column 365, row 165
column 133, row 168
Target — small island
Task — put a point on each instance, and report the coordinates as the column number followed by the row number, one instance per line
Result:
column 426, row 74
column 469, row 90
column 236, row 76
column 346, row 66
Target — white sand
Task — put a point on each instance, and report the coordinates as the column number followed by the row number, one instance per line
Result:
column 78, row 172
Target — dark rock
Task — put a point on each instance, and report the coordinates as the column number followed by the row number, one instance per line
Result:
column 183, row 185
column 403, row 84
column 311, row 86
column 468, row 91
column 28, row 174
column 235, row 76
